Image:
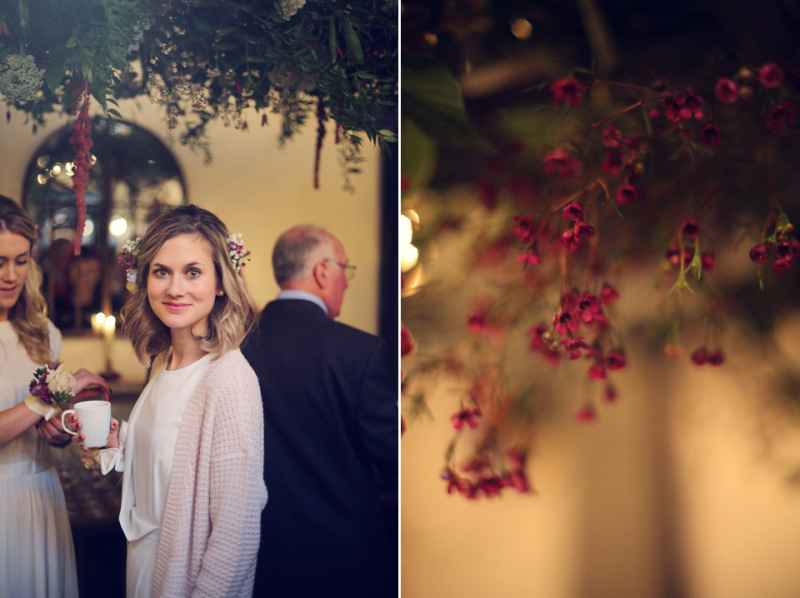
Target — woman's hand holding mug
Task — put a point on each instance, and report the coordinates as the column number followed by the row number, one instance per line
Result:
column 94, row 423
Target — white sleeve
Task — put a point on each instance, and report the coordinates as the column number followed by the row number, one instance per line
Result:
column 55, row 341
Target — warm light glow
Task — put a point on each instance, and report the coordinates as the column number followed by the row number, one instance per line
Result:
column 55, row 170
column 409, row 256
column 109, row 324
column 41, row 178
column 97, row 322
column 118, row 227
column 88, row 229
column 69, row 168
column 521, row 28
column 406, row 231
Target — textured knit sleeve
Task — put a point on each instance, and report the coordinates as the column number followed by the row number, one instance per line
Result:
column 237, row 494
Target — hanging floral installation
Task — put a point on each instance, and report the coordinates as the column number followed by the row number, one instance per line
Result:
column 529, row 216
column 204, row 61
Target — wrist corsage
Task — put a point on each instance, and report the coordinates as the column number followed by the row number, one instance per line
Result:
column 50, row 390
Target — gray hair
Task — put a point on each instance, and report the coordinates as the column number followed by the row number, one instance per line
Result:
column 293, row 250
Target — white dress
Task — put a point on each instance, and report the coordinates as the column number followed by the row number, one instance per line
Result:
column 147, row 449
column 37, row 558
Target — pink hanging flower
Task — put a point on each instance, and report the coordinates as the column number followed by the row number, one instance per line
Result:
column 561, row 162
column 779, row 116
column 608, row 294
column 709, row 135
column 690, row 229
column 612, row 162
column 726, row 90
column 612, row 137
column 586, row 414
column 627, row 194
column 597, row 372
column 692, row 105
column 771, row 75
column 573, row 211
column 567, row 90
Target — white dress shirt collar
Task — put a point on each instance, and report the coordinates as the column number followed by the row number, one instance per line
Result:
column 304, row 295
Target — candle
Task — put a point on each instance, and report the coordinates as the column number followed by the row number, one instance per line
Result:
column 109, row 327
column 97, row 322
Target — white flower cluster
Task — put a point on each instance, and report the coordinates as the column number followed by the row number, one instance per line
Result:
column 61, row 380
column 20, row 79
column 290, row 7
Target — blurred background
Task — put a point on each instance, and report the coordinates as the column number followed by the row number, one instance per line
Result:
column 524, row 473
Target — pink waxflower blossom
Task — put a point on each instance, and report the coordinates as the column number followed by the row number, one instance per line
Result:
column 477, row 322
column 573, row 211
column 760, row 253
column 586, row 414
column 608, row 294
column 781, row 266
column 690, row 229
column 779, row 116
column 561, row 162
column 597, row 372
column 627, row 194
column 465, row 416
column 564, row 322
column 584, row 230
column 407, row 344
column 771, row 75
column 524, row 228
column 674, row 108
column 615, row 360
column 612, row 162
column 612, row 137
column 529, row 257
column 692, row 105
column 570, row 240
column 715, row 357
column 610, row 393
column 567, row 90
column 709, row 135
column 726, row 90
column 699, row 356
column 708, row 260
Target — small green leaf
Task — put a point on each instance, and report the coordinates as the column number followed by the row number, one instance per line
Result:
column 352, row 43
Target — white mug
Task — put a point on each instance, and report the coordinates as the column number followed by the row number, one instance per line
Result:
column 95, row 419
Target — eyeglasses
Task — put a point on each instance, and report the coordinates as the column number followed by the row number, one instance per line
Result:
column 349, row 269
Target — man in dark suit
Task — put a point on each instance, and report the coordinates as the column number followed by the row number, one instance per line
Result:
column 330, row 431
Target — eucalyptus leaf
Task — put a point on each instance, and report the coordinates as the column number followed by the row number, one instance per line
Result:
column 432, row 100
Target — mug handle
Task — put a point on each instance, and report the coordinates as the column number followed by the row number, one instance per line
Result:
column 63, row 425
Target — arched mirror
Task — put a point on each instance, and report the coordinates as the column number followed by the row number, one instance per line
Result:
column 133, row 177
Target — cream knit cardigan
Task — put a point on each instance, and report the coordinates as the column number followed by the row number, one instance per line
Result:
column 212, row 518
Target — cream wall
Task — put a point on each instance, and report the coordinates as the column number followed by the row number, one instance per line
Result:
column 257, row 189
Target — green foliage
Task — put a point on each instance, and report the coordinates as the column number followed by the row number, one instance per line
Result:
column 213, row 59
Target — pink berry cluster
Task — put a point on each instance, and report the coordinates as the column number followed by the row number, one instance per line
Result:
column 480, row 477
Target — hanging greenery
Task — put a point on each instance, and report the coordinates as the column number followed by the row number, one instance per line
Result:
column 209, row 60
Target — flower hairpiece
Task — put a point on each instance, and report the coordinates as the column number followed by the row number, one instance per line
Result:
column 237, row 252
column 128, row 258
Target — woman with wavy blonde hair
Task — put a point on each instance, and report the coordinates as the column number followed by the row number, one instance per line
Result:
column 192, row 452
column 36, row 551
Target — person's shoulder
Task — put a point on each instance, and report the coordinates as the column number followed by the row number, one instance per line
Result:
column 352, row 333
column 231, row 367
